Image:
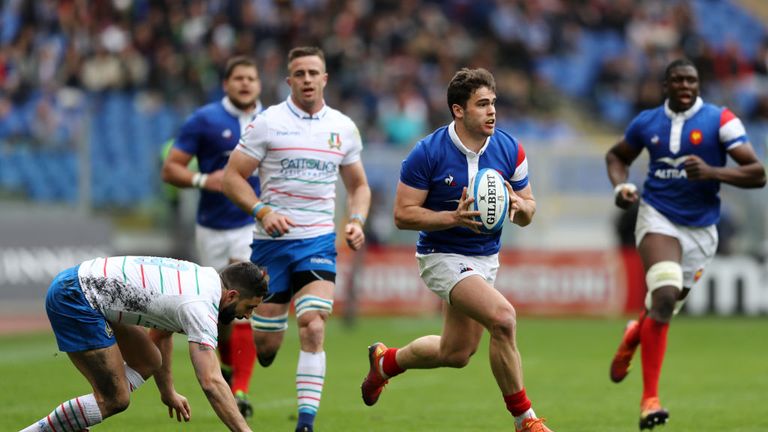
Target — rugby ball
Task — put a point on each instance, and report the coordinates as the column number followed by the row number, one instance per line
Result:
column 491, row 199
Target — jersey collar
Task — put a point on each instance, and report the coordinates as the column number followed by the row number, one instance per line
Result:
column 459, row 145
column 303, row 115
column 690, row 112
column 235, row 111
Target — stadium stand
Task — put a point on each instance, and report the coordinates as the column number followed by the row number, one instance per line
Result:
column 116, row 78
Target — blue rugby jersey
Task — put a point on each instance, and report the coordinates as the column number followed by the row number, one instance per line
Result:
column 443, row 166
column 705, row 130
column 210, row 134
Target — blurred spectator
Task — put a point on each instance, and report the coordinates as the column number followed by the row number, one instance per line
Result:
column 389, row 58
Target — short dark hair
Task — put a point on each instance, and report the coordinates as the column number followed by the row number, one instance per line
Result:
column 681, row 62
column 465, row 82
column 238, row 61
column 305, row 51
column 246, row 278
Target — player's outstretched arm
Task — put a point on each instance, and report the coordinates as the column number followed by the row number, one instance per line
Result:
column 749, row 173
column 208, row 372
column 176, row 403
column 410, row 215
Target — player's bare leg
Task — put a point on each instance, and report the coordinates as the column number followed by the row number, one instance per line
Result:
column 313, row 305
column 459, row 341
column 269, row 322
column 480, row 301
column 657, row 249
column 104, row 370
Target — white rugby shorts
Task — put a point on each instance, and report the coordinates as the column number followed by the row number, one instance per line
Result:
column 442, row 271
column 216, row 248
column 698, row 244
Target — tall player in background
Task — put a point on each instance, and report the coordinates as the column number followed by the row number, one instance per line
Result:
column 224, row 232
column 97, row 310
column 688, row 142
column 456, row 261
column 300, row 146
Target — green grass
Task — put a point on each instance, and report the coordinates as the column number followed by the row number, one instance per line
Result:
column 715, row 378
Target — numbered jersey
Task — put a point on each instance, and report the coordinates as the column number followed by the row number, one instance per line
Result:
column 163, row 293
column 299, row 156
column 705, row 130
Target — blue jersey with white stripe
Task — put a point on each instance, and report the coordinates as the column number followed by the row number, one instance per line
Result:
column 443, row 166
column 705, row 130
column 210, row 134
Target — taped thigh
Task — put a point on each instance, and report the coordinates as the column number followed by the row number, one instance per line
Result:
column 663, row 273
column 269, row 324
column 310, row 302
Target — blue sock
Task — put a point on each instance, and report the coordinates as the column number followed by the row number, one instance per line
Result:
column 306, row 419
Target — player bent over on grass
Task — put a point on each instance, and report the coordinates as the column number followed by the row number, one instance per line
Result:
column 688, row 142
column 97, row 310
column 456, row 261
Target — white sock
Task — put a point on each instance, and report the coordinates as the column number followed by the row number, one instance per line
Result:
column 81, row 412
column 71, row 416
column 310, row 377
column 519, row 419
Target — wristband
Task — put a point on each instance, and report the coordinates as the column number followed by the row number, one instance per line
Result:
column 621, row 186
column 259, row 210
column 357, row 218
column 198, row 180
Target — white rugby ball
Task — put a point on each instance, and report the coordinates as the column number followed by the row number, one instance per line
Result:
column 491, row 199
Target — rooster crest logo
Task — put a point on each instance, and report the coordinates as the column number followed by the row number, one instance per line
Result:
column 449, row 180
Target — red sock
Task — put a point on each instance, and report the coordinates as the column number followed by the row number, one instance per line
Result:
column 389, row 365
column 517, row 403
column 243, row 355
column 653, row 339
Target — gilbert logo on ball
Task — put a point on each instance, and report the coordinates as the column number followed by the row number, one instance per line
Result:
column 491, row 199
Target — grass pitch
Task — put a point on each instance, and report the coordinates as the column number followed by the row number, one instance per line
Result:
column 715, row 378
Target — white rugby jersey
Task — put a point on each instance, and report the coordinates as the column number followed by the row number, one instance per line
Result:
column 299, row 156
column 162, row 293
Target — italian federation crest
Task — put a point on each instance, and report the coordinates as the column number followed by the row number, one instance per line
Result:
column 334, row 142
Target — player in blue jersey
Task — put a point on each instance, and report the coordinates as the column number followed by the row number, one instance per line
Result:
column 688, row 142
column 224, row 232
column 301, row 147
column 98, row 311
column 456, row 261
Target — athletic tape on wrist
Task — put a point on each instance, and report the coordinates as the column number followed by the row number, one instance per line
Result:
column 621, row 186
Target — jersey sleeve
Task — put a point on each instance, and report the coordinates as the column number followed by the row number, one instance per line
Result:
column 415, row 169
column 633, row 133
column 255, row 138
column 519, row 179
column 199, row 321
column 190, row 134
column 356, row 146
column 732, row 132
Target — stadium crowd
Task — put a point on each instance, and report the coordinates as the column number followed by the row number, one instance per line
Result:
column 389, row 59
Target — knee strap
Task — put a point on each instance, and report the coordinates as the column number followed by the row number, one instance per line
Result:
column 269, row 324
column 308, row 303
column 663, row 273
